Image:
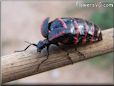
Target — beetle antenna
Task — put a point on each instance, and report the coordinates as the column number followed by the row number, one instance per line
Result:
column 27, row 46
column 30, row 43
column 27, row 42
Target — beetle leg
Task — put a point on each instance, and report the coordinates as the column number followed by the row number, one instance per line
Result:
column 45, row 59
column 69, row 58
column 100, row 36
column 79, row 53
column 57, row 44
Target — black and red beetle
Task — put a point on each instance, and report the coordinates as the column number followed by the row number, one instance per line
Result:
column 67, row 31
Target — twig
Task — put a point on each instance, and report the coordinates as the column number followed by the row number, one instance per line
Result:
column 23, row 64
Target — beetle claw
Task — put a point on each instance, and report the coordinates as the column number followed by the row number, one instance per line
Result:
column 69, row 58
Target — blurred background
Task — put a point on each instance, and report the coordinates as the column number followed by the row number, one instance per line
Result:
column 21, row 21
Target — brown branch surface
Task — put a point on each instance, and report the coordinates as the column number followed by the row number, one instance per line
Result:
column 23, row 64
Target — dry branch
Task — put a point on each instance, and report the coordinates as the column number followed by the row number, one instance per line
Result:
column 23, row 64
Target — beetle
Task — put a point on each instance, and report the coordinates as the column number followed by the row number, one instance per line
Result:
column 66, row 31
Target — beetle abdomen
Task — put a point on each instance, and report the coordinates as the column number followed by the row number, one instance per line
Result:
column 86, row 31
column 74, row 30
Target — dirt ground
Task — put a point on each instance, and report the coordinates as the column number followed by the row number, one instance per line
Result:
column 21, row 21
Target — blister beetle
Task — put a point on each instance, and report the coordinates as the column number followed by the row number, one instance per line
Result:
column 67, row 31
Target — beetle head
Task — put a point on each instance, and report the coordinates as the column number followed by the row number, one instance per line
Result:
column 42, row 44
